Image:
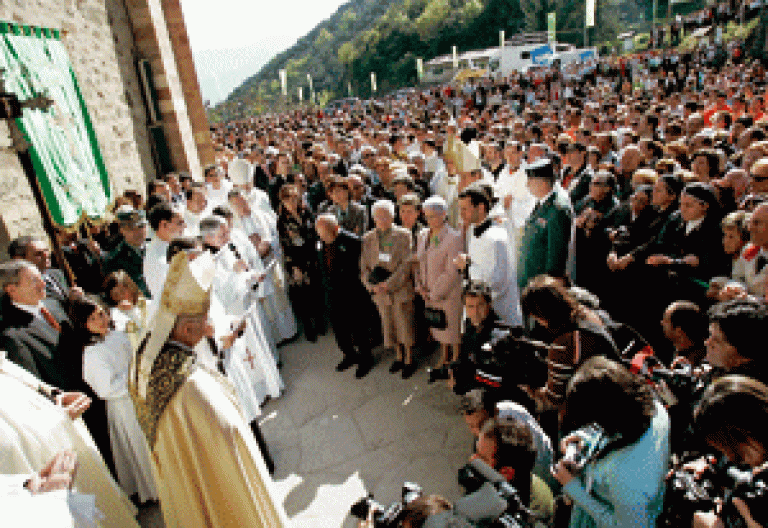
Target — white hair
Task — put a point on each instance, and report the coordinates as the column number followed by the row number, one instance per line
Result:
column 210, row 225
column 435, row 203
column 327, row 218
column 383, row 204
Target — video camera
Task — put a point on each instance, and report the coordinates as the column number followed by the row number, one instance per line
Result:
column 592, row 441
column 494, row 503
column 384, row 517
column 687, row 494
column 675, row 385
column 507, row 358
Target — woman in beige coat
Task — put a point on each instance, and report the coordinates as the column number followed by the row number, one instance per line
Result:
column 385, row 268
column 437, row 279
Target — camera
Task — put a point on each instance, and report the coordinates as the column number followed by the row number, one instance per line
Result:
column 384, row 517
column 687, row 493
column 490, row 499
column 592, row 440
column 492, row 503
column 508, row 358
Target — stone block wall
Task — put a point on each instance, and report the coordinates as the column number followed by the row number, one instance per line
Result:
column 101, row 44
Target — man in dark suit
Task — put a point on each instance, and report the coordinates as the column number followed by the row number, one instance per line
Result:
column 35, row 251
column 351, row 215
column 544, row 249
column 339, row 258
column 32, row 325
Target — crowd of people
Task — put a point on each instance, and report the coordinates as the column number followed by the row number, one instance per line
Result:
column 614, row 213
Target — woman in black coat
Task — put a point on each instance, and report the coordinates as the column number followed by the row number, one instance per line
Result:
column 296, row 230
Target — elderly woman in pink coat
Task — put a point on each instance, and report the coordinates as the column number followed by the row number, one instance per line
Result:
column 437, row 280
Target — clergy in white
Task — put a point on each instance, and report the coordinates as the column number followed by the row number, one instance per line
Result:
column 166, row 224
column 105, row 368
column 515, row 201
column 218, row 186
column 489, row 254
column 197, row 208
column 33, row 430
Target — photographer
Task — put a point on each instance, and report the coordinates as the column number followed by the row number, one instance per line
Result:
column 414, row 513
column 507, row 446
column 578, row 330
column 479, row 324
column 736, row 328
column 622, row 484
column 731, row 418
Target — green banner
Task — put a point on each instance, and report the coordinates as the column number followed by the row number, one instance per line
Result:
column 65, row 152
column 551, row 26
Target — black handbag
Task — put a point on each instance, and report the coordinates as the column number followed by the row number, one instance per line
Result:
column 435, row 318
column 378, row 275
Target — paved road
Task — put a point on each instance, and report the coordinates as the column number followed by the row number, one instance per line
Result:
column 334, row 438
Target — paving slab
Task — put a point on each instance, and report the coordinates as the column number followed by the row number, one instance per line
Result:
column 335, row 438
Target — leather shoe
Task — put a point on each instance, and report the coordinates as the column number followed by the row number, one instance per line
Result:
column 363, row 368
column 396, row 366
column 347, row 362
column 408, row 370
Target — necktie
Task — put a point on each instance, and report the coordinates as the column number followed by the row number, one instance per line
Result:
column 50, row 319
column 760, row 263
column 55, row 286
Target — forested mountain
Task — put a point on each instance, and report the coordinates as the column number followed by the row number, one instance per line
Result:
column 386, row 37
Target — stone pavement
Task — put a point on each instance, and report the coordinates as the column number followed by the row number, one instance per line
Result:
column 335, row 438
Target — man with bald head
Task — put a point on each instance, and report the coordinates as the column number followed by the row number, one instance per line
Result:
column 751, row 268
column 348, row 306
column 758, row 177
column 628, row 164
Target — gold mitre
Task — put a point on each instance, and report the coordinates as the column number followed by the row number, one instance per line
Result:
column 186, row 292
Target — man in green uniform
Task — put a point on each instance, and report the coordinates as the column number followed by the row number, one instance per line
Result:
column 544, row 249
column 129, row 253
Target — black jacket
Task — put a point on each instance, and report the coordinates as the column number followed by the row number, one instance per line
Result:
column 342, row 281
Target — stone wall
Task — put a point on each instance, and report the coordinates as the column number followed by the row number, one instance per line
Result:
column 101, row 38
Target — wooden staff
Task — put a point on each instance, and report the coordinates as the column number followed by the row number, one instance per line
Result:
column 10, row 109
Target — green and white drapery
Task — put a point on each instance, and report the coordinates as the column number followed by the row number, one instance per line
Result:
column 65, row 153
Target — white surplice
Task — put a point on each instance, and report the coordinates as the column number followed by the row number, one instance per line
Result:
column 234, row 288
column 33, row 430
column 105, row 368
column 251, row 368
column 155, row 271
column 513, row 184
column 491, row 262
column 279, row 320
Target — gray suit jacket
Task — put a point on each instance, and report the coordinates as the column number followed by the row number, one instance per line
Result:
column 32, row 344
column 354, row 219
column 56, row 286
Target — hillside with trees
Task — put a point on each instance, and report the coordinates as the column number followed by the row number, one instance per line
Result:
column 386, row 37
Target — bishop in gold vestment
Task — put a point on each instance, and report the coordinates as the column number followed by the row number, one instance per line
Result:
column 208, row 467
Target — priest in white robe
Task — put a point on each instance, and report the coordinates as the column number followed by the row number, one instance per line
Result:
column 166, row 224
column 489, row 255
column 33, row 430
column 196, row 209
column 210, row 471
column 515, row 201
column 255, row 236
column 218, row 186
